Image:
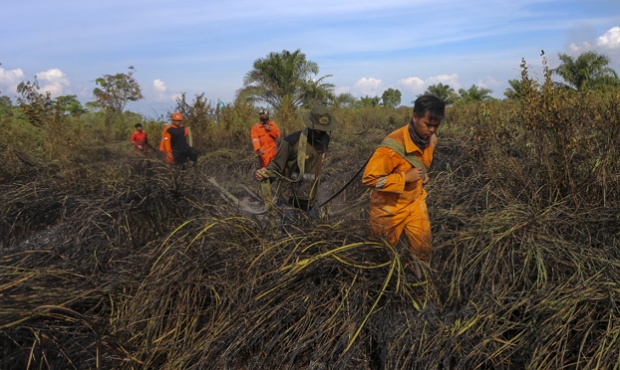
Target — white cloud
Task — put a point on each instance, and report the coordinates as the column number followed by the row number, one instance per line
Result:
column 9, row 79
column 369, row 86
column 159, row 86
column 488, row 82
column 578, row 49
column 574, row 48
column 450, row 80
column 415, row 84
column 610, row 40
column 160, row 92
column 53, row 81
column 159, row 89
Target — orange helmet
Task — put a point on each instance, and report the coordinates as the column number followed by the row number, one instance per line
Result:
column 176, row 116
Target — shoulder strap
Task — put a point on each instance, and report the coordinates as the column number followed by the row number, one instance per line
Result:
column 301, row 152
column 400, row 150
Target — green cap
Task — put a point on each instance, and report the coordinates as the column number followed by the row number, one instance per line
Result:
column 319, row 118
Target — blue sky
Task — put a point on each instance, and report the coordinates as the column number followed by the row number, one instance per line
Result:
column 368, row 46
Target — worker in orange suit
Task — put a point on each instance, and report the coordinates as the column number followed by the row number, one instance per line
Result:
column 396, row 172
column 174, row 142
column 139, row 139
column 265, row 134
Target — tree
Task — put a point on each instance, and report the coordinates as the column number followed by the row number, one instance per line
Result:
column 5, row 104
column 391, row 98
column 45, row 113
column 589, row 71
column 475, row 94
column 344, row 100
column 515, row 90
column 40, row 109
column 198, row 115
column 116, row 90
column 69, row 104
column 443, row 92
column 286, row 77
column 367, row 101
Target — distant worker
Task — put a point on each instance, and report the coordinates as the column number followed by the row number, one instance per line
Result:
column 264, row 135
column 174, row 142
column 396, row 173
column 139, row 139
column 298, row 163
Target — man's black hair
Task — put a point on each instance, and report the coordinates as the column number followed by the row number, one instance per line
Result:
column 137, row 125
column 432, row 104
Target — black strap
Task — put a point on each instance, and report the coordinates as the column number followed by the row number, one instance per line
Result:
column 345, row 185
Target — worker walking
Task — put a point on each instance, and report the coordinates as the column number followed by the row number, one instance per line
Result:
column 139, row 139
column 174, row 142
column 396, row 173
column 265, row 134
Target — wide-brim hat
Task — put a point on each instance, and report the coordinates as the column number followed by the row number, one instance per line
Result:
column 319, row 118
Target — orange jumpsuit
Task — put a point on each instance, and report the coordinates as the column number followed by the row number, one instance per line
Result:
column 394, row 205
column 266, row 140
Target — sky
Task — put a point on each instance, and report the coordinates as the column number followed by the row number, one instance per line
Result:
column 363, row 46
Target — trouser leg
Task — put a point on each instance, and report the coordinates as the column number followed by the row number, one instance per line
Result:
column 418, row 231
column 413, row 221
column 388, row 227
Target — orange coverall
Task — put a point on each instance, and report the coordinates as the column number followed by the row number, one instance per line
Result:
column 166, row 143
column 396, row 206
column 265, row 140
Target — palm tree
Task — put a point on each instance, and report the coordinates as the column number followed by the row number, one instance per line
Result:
column 368, row 101
column 515, row 90
column 589, row 71
column 286, row 77
column 443, row 92
column 475, row 94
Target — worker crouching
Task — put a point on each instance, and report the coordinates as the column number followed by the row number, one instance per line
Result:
column 297, row 165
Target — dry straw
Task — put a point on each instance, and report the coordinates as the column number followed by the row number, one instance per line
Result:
column 131, row 264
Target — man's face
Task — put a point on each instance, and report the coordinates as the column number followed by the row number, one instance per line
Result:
column 139, row 128
column 424, row 127
column 264, row 118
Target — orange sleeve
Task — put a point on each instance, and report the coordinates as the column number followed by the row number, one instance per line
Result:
column 275, row 131
column 254, row 136
column 165, row 146
column 382, row 171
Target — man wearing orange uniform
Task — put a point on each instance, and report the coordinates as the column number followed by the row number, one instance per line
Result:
column 174, row 142
column 396, row 172
column 139, row 139
column 264, row 135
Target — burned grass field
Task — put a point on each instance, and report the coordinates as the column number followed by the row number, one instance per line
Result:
column 129, row 264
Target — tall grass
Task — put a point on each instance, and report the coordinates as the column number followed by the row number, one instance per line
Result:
column 118, row 261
